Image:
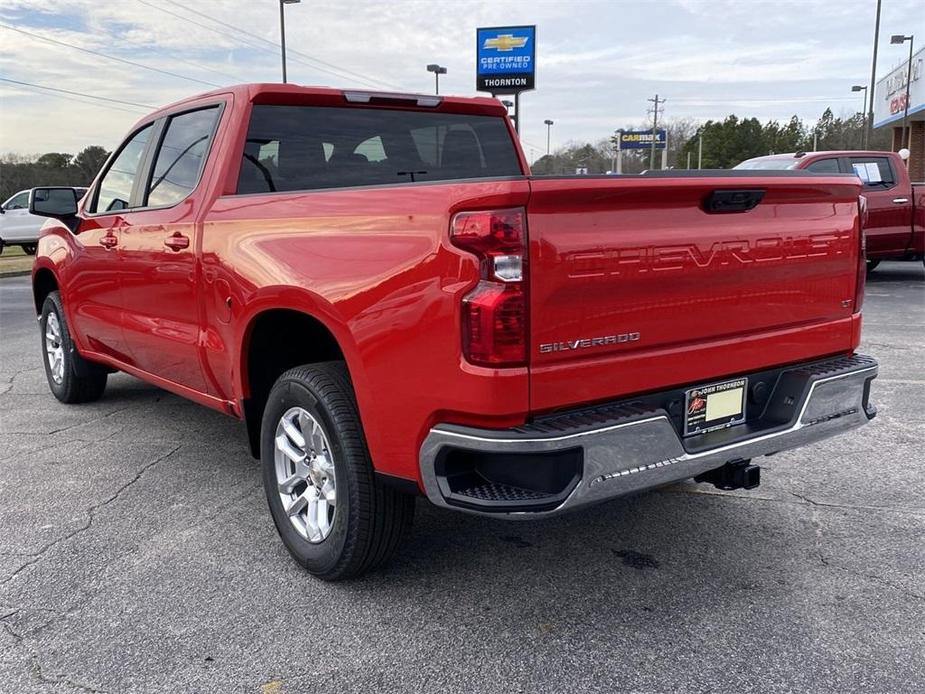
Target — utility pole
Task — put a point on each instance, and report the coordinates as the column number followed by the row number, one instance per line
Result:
column 656, row 101
column 868, row 131
column 700, row 152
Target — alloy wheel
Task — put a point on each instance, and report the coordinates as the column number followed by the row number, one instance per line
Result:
column 305, row 474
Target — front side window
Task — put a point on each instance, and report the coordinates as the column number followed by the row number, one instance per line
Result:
column 116, row 187
column 315, row 147
column 20, row 201
column 824, row 166
column 180, row 157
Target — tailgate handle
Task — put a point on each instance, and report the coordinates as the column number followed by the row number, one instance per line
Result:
column 722, row 201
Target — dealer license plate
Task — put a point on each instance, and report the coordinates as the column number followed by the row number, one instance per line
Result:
column 715, row 406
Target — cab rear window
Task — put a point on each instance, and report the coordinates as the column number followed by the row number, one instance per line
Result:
column 311, row 147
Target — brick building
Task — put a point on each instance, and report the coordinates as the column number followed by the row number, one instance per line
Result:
column 889, row 106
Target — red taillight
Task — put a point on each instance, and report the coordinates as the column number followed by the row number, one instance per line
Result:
column 494, row 314
column 862, row 255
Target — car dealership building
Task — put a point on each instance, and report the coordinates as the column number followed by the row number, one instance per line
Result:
column 890, row 107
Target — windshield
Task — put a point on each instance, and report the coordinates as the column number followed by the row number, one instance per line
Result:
column 768, row 163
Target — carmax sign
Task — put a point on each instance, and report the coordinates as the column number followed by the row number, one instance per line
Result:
column 505, row 59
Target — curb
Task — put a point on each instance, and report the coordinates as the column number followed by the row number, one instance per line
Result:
column 14, row 273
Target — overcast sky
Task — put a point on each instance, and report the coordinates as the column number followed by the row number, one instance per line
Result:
column 597, row 61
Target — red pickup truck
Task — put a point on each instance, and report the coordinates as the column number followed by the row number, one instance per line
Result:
column 895, row 225
column 376, row 285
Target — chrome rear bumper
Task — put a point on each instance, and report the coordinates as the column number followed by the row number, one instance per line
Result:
column 623, row 448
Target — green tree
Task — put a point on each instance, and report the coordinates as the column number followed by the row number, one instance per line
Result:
column 88, row 162
column 55, row 160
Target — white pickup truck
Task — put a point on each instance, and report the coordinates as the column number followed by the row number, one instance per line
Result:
column 18, row 227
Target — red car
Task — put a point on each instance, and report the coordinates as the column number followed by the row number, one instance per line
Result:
column 376, row 285
column 895, row 225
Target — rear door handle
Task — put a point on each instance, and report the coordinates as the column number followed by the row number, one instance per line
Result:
column 177, row 242
column 900, row 201
column 108, row 241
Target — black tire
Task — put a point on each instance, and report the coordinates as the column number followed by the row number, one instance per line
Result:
column 81, row 380
column 872, row 265
column 29, row 248
column 370, row 520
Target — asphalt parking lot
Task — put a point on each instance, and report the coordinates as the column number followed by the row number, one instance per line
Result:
column 137, row 554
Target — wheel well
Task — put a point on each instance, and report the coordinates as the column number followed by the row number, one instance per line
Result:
column 276, row 341
column 43, row 284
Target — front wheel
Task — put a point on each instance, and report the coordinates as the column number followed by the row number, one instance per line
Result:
column 29, row 248
column 72, row 378
column 333, row 516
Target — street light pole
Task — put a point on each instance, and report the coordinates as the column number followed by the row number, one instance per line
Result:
column 282, row 31
column 900, row 39
column 549, row 125
column 861, row 88
column 508, row 105
column 873, row 78
column 437, row 70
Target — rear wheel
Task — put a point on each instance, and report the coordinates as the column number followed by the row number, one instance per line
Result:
column 335, row 519
column 872, row 265
column 29, row 248
column 72, row 378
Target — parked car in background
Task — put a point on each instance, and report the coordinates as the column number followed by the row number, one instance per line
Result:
column 20, row 228
column 895, row 226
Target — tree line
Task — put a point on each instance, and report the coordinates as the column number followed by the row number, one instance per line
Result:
column 725, row 143
column 19, row 172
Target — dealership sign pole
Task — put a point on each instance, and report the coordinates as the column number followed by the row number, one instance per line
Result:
column 505, row 62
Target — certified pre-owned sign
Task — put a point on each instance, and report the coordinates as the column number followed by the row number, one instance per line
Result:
column 505, row 59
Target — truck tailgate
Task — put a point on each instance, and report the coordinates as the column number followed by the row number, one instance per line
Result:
column 635, row 286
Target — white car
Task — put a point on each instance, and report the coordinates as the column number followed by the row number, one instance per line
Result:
column 18, row 227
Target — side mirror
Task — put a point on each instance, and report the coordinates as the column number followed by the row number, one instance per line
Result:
column 57, row 202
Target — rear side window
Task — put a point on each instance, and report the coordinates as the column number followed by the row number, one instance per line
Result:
column 180, row 156
column 875, row 172
column 824, row 166
column 116, row 187
column 312, row 147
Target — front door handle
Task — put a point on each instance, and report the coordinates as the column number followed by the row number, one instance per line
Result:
column 108, row 241
column 900, row 201
column 177, row 242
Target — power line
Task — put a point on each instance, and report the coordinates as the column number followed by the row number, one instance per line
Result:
column 234, row 78
column 38, row 90
column 242, row 41
column 341, row 71
column 108, row 57
column 68, row 91
column 295, row 52
column 792, row 100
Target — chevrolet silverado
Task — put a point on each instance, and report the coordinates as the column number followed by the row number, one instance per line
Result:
column 377, row 286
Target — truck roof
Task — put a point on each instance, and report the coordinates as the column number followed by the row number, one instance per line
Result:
column 796, row 157
column 274, row 92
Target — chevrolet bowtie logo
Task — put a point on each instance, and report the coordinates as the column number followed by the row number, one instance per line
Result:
column 506, row 42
